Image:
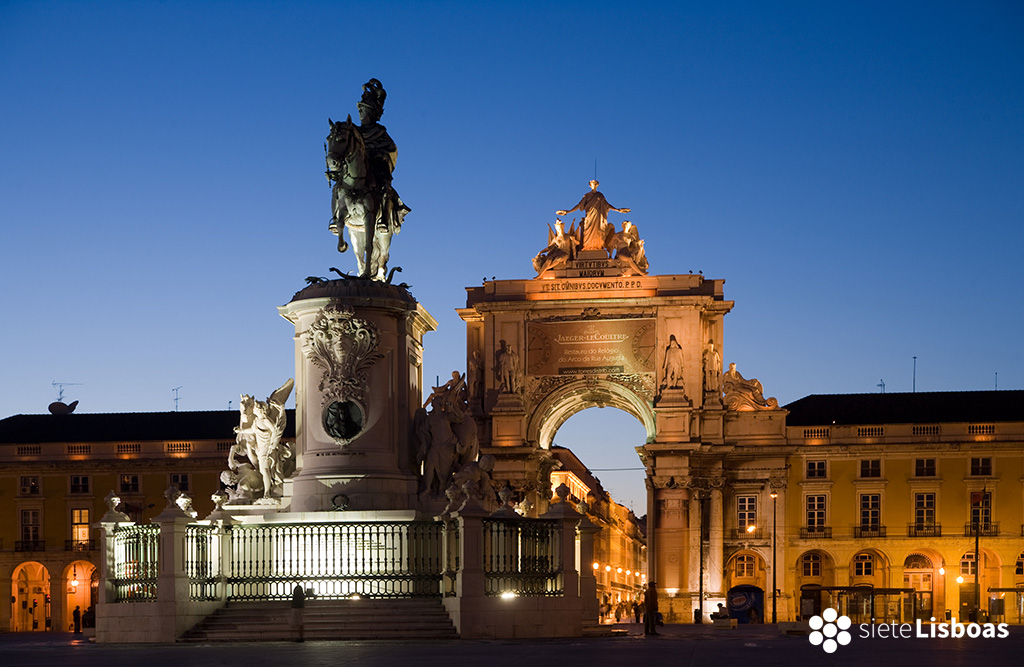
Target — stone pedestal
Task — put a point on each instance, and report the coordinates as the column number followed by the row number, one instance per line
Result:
column 358, row 380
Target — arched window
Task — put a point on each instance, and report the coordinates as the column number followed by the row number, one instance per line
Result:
column 811, row 565
column 863, row 565
column 745, row 565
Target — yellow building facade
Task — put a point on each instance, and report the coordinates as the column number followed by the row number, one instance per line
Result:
column 56, row 470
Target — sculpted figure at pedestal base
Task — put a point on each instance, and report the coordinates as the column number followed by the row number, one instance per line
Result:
column 629, row 247
column 447, row 436
column 745, row 395
column 472, row 480
column 595, row 218
column 258, row 462
column 360, row 161
column 560, row 250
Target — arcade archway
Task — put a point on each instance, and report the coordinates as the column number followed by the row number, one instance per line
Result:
column 79, row 592
column 30, row 598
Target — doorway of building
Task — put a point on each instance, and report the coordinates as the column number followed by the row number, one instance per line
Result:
column 30, row 598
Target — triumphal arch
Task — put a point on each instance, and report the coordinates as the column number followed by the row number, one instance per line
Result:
column 595, row 328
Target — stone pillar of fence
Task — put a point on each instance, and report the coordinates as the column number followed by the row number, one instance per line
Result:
column 470, row 597
column 108, row 523
column 568, row 517
column 588, row 582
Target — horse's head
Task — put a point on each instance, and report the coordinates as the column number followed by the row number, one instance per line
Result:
column 345, row 147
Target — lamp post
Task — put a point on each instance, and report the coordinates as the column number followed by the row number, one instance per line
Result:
column 699, row 616
column 775, row 525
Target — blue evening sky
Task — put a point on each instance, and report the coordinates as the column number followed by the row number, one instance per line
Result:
column 855, row 171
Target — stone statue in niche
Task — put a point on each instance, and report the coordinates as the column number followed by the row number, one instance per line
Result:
column 258, row 462
column 472, row 481
column 629, row 247
column 560, row 250
column 595, row 227
column 672, row 365
column 447, row 436
column 476, row 375
column 712, row 369
column 360, row 161
column 744, row 395
column 506, row 368
column 344, row 347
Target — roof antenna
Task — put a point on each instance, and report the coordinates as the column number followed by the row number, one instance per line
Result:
column 997, row 380
column 915, row 374
column 881, row 383
column 175, row 390
column 60, row 388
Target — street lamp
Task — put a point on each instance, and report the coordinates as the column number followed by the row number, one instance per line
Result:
column 775, row 588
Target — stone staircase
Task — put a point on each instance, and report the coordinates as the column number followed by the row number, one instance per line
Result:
column 414, row 618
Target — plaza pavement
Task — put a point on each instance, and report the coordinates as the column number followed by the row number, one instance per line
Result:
column 682, row 645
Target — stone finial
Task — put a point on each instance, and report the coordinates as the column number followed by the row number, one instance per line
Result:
column 113, row 515
column 582, row 507
column 171, row 494
column 184, row 502
column 562, row 491
column 506, row 494
column 219, row 498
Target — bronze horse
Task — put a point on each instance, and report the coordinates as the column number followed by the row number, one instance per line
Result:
column 358, row 199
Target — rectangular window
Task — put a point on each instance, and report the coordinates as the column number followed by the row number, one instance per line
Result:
column 180, row 480
column 981, row 509
column 816, row 511
column 924, row 468
column 129, row 484
column 871, row 468
column 30, row 525
column 746, row 511
column 30, row 486
column 816, row 470
column 968, row 566
column 863, row 565
column 80, row 527
column 79, row 484
column 745, row 565
column 981, row 467
column 812, row 565
column 870, row 511
column 924, row 510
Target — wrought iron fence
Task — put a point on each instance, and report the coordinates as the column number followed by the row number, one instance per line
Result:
column 522, row 557
column 136, row 550
column 451, row 551
column 202, row 561
column 336, row 560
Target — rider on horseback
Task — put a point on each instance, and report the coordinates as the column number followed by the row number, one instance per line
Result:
column 360, row 161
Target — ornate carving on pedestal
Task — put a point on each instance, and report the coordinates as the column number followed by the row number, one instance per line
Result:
column 344, row 347
column 745, row 395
